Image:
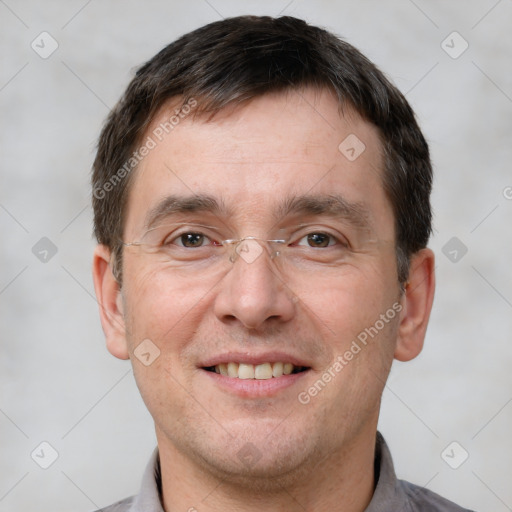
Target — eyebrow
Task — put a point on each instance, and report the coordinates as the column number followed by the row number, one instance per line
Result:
column 173, row 205
column 332, row 205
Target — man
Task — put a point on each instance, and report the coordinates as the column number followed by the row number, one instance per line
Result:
column 261, row 200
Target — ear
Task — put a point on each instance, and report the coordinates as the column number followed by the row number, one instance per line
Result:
column 417, row 304
column 108, row 293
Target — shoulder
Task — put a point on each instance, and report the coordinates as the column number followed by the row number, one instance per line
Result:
column 119, row 506
column 423, row 500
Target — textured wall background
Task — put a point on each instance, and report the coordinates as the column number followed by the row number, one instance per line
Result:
column 59, row 385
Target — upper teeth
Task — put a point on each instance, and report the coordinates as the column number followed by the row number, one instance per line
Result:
column 254, row 371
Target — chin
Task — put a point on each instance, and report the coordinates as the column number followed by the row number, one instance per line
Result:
column 261, row 462
column 269, row 474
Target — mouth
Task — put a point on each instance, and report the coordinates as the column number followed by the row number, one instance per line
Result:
column 262, row 371
column 255, row 375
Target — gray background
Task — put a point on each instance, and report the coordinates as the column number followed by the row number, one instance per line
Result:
column 57, row 381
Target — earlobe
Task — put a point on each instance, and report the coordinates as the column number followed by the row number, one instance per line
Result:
column 109, row 298
column 417, row 304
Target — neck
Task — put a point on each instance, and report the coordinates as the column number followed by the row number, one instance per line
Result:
column 343, row 480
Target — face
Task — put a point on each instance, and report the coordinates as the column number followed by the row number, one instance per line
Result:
column 328, row 303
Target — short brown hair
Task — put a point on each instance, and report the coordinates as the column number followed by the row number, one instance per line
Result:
column 236, row 59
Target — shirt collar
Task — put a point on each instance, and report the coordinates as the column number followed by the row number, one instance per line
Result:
column 148, row 499
column 388, row 494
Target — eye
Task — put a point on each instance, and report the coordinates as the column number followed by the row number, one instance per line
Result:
column 190, row 240
column 318, row 240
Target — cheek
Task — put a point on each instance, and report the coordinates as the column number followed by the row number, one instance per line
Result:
column 363, row 354
column 166, row 313
column 343, row 306
column 161, row 308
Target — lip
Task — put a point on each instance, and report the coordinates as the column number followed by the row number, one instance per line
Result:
column 254, row 388
column 252, row 358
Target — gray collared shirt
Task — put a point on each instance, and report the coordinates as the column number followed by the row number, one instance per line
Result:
column 391, row 494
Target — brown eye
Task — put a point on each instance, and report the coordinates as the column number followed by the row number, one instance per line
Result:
column 191, row 240
column 318, row 240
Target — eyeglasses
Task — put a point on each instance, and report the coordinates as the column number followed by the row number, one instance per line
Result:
column 198, row 249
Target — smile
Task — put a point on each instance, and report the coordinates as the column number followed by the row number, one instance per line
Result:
column 263, row 371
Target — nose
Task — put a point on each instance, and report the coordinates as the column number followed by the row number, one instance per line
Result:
column 253, row 292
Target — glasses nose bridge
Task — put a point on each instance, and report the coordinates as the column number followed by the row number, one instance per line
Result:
column 249, row 248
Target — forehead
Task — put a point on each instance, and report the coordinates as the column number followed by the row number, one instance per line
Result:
column 252, row 156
